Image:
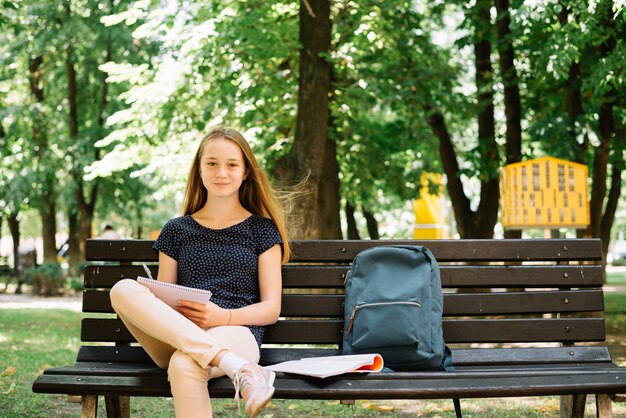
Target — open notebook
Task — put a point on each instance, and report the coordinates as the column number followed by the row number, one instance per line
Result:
column 171, row 293
column 331, row 366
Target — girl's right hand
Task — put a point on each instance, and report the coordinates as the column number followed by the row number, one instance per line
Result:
column 204, row 316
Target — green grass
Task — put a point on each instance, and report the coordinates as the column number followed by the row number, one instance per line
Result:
column 616, row 278
column 615, row 313
column 31, row 340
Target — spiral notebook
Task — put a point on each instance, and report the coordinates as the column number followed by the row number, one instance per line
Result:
column 171, row 293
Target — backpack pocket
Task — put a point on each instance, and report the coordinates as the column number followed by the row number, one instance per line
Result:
column 384, row 324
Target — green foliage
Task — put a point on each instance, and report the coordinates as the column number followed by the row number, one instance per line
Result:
column 43, row 151
column 76, row 284
column 152, row 75
column 569, row 52
column 47, row 279
column 385, row 72
column 619, row 262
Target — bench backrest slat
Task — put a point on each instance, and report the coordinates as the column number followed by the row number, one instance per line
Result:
column 540, row 290
column 345, row 251
column 477, row 304
column 301, row 276
column 301, row 331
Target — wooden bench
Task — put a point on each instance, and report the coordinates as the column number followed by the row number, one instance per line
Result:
column 517, row 314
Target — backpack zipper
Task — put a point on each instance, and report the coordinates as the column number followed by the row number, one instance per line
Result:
column 375, row 305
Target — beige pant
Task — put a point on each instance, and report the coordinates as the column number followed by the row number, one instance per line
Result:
column 176, row 343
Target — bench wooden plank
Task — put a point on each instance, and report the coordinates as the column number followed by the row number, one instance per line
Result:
column 346, row 250
column 463, row 357
column 331, row 276
column 422, row 385
column 307, row 305
column 455, row 331
column 523, row 302
column 151, row 370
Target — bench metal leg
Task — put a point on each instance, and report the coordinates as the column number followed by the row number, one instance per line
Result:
column 604, row 406
column 90, row 406
column 117, row 406
column 573, row 406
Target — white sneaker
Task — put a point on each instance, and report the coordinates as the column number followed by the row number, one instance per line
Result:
column 256, row 387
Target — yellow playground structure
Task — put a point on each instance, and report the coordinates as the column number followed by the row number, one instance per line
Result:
column 546, row 193
column 429, row 208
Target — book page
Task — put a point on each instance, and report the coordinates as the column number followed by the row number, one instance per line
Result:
column 331, row 366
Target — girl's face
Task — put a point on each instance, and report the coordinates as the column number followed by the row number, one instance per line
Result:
column 222, row 167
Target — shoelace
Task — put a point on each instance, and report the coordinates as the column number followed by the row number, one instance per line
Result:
column 240, row 381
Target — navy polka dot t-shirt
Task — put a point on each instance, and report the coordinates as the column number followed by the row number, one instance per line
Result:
column 224, row 261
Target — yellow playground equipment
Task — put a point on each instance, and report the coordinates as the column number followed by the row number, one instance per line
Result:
column 429, row 208
column 546, row 193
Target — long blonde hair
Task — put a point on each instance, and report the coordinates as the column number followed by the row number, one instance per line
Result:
column 256, row 193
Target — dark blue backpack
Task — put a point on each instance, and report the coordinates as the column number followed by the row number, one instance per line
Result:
column 393, row 306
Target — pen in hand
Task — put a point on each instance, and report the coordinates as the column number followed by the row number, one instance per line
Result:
column 147, row 270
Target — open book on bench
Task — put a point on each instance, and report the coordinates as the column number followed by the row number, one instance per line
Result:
column 331, row 366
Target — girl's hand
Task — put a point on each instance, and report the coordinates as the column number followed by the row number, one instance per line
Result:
column 204, row 316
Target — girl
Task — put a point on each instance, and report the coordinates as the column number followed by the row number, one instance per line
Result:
column 232, row 241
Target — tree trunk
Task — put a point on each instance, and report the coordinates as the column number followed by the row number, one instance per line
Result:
column 481, row 225
column 599, row 170
column 86, row 206
column 512, row 102
column 353, row 231
column 460, row 202
column 14, row 228
column 49, row 226
column 328, row 200
column 304, row 160
column 139, row 217
column 75, row 256
column 47, row 209
column 575, row 111
column 606, row 128
column 372, row 224
column 614, row 192
column 611, row 207
column 470, row 224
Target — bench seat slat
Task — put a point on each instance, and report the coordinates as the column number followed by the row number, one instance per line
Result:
column 463, row 357
column 151, row 370
column 373, row 386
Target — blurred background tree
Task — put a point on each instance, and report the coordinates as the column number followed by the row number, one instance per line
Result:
column 103, row 103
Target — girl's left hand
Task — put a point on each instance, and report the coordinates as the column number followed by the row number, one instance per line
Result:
column 204, row 316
